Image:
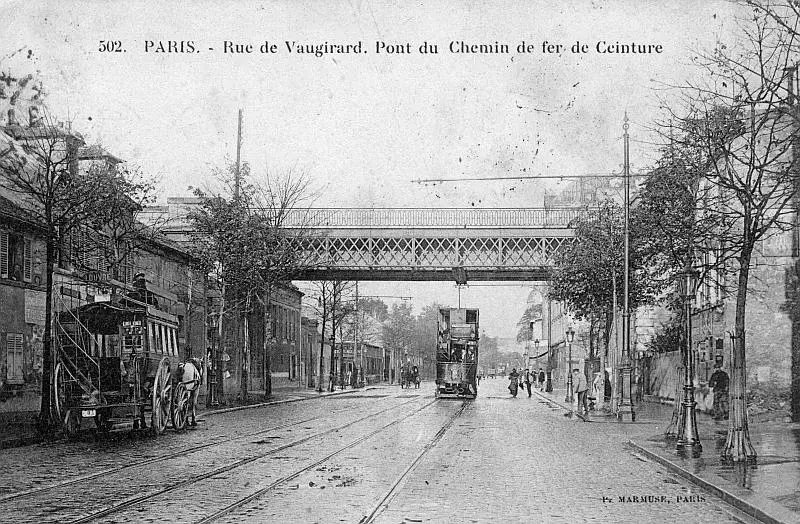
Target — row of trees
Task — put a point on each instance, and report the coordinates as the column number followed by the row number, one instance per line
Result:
column 242, row 239
column 726, row 180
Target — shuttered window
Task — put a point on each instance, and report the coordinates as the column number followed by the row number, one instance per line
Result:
column 3, row 254
column 27, row 260
column 14, row 356
column 16, row 257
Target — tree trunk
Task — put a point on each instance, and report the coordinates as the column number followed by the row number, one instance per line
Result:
column 46, row 419
column 672, row 428
column 267, row 344
column 220, row 373
column 794, row 313
column 341, row 363
column 245, row 358
column 322, row 348
column 738, row 446
column 333, row 341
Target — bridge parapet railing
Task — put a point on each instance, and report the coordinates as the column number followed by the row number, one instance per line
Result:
column 432, row 218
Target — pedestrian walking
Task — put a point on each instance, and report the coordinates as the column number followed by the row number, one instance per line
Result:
column 542, row 378
column 581, row 388
column 719, row 382
column 529, row 379
column 513, row 382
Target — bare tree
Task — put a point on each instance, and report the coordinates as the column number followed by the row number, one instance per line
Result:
column 281, row 224
column 41, row 166
column 334, row 305
column 252, row 244
column 743, row 121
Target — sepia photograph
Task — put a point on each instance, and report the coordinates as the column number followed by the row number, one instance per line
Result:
column 374, row 261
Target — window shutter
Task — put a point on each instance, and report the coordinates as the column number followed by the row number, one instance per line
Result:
column 27, row 260
column 14, row 358
column 3, row 254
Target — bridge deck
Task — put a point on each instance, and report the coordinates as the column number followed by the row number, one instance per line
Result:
column 424, row 244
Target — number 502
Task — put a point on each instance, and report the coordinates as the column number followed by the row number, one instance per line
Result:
column 110, row 46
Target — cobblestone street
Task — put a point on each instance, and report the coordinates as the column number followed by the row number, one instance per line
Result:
column 385, row 455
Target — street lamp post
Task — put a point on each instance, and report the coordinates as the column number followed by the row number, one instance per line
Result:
column 688, row 438
column 530, row 337
column 570, row 336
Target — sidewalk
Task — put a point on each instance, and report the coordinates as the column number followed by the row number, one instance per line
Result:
column 19, row 429
column 768, row 490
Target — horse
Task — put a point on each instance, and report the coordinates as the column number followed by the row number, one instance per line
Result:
column 187, row 379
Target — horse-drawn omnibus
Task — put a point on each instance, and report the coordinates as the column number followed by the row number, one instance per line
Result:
column 113, row 364
column 457, row 353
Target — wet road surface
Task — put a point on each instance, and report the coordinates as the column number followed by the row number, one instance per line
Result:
column 385, row 455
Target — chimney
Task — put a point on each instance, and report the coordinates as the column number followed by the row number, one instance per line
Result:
column 788, row 75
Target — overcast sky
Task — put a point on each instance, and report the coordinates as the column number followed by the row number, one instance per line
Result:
column 365, row 126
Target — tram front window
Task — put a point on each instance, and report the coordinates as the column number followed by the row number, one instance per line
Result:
column 458, row 353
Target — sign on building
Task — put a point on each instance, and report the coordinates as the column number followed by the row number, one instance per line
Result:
column 34, row 306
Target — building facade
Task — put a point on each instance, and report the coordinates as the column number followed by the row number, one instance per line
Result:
column 84, row 272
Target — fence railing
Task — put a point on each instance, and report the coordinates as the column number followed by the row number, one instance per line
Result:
column 431, row 217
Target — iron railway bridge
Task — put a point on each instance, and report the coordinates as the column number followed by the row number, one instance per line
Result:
column 425, row 244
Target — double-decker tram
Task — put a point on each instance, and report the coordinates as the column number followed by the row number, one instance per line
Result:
column 113, row 363
column 457, row 353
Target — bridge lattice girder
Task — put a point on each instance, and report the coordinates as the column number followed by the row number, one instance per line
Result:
column 424, row 243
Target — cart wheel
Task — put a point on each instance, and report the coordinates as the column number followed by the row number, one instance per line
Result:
column 69, row 419
column 180, row 406
column 161, row 397
column 59, row 405
column 103, row 421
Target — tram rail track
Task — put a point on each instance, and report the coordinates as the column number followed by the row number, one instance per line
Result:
column 398, row 483
column 185, row 451
column 136, row 500
column 261, row 492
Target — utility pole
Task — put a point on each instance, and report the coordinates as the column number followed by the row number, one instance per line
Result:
column 626, row 408
column 238, row 178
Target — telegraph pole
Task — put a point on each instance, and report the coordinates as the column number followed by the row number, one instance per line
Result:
column 626, row 408
column 238, row 177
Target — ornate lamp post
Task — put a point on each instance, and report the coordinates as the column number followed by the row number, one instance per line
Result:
column 570, row 336
column 687, row 419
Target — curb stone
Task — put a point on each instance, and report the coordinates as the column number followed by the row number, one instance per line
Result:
column 753, row 504
column 562, row 406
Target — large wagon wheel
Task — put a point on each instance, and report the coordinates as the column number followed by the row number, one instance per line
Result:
column 161, row 397
column 69, row 419
column 180, row 405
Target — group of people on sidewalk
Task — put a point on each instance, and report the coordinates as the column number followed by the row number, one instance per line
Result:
column 719, row 382
column 526, row 379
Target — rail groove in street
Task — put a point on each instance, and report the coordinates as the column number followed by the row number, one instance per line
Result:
column 254, row 496
column 387, row 499
column 185, row 451
column 237, row 464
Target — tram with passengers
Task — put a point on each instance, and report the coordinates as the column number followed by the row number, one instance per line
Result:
column 457, row 353
column 113, row 363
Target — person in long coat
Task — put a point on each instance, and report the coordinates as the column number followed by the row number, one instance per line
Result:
column 514, row 382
